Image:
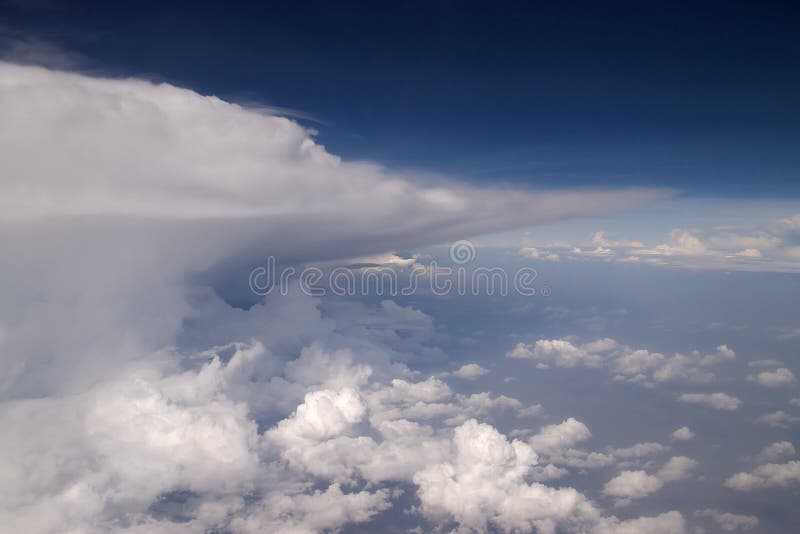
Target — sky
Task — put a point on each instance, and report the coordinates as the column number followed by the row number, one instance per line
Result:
column 701, row 98
column 435, row 267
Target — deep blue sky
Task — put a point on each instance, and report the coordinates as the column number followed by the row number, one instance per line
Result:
column 704, row 99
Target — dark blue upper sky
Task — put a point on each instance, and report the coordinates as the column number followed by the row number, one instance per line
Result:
column 702, row 98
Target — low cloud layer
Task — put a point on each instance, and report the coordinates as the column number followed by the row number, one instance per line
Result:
column 769, row 247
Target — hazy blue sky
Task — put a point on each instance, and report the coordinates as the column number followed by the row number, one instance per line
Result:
column 702, row 98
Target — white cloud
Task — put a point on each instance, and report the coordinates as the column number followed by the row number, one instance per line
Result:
column 717, row 401
column 779, row 419
column 134, row 188
column 640, row 450
column 681, row 243
column 676, row 468
column 666, row 523
column 556, row 444
column 118, row 197
column 780, row 450
column 771, row 248
column 557, row 437
column 728, row 521
column 313, row 512
column 682, row 434
column 558, row 352
column 779, row 378
column 484, row 485
column 726, row 352
column 630, row 485
column 633, row 365
column 531, row 411
column 197, row 156
column 534, row 253
column 323, row 414
column 470, row 371
column 750, row 253
column 599, row 239
column 767, row 476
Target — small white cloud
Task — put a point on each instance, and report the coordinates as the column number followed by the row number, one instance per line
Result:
column 779, row 419
column 778, row 451
column 680, row 243
column 728, row 521
column 677, row 468
column 682, row 434
column 563, row 352
column 599, row 239
column 717, row 401
column 726, row 352
column 631, row 485
column 558, row 437
column 779, row 378
column 750, row 253
column 640, row 450
column 764, row 363
column 534, row 253
column 767, row 476
column 531, row 411
column 470, row 371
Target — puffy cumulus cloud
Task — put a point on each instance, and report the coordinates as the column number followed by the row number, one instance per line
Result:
column 779, row 378
column 779, row 419
column 556, row 445
column 727, row 521
column 432, row 399
column 639, row 450
column 531, row 411
column 165, row 448
column 684, row 433
column 472, row 474
column 717, row 401
column 666, row 523
column 780, row 450
column 677, row 468
column 649, row 367
column 470, row 371
column 558, row 437
column 312, row 512
column 322, row 414
column 766, row 476
column 93, row 459
column 558, row 352
column 484, row 485
column 632, row 365
column 632, row 485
